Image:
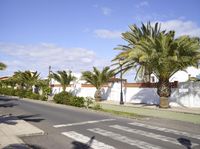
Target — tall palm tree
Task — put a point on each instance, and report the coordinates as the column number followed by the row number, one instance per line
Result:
column 133, row 37
column 64, row 78
column 98, row 78
column 163, row 55
column 2, row 66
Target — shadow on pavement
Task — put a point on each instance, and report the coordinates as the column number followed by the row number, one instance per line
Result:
column 4, row 98
column 79, row 145
column 185, row 142
column 11, row 120
column 30, row 118
column 23, row 146
column 5, row 102
column 8, row 105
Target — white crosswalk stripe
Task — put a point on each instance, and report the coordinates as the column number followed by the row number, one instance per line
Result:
column 124, row 139
column 149, row 134
column 83, row 123
column 166, row 130
column 86, row 140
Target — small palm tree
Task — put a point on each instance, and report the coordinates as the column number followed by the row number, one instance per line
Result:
column 30, row 78
column 63, row 78
column 2, row 66
column 98, row 79
column 26, row 79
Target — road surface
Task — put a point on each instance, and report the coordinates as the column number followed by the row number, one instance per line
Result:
column 74, row 128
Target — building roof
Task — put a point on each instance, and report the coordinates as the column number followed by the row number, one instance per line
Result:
column 4, row 78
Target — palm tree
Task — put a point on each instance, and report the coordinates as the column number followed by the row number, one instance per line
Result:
column 98, row 79
column 26, row 79
column 43, row 84
column 163, row 55
column 2, row 66
column 63, row 78
column 30, row 78
column 133, row 37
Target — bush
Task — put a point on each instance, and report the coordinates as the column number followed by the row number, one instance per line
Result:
column 43, row 98
column 88, row 101
column 77, row 101
column 63, row 97
column 97, row 106
column 7, row 91
column 69, row 99
column 21, row 93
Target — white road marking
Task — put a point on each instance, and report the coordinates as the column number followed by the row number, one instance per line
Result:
column 149, row 134
column 124, row 139
column 86, row 140
column 83, row 123
column 166, row 130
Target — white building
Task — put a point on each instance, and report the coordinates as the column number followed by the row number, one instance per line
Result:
column 186, row 94
column 181, row 76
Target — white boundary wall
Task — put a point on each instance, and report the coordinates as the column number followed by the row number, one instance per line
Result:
column 187, row 94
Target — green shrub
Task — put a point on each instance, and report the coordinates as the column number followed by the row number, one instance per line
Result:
column 43, row 98
column 88, row 101
column 21, row 93
column 63, row 98
column 7, row 91
column 69, row 99
column 34, row 96
column 97, row 106
column 77, row 101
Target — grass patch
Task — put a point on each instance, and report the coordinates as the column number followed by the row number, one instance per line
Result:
column 120, row 113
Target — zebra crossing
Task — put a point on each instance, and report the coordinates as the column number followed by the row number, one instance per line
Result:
column 126, row 135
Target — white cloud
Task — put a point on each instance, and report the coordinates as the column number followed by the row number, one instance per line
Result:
column 181, row 27
column 106, row 11
column 142, row 4
column 107, row 34
column 39, row 57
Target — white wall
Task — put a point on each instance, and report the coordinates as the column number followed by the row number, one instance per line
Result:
column 182, row 76
column 187, row 94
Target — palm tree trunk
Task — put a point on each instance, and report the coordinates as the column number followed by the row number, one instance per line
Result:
column 164, row 91
column 64, row 88
column 97, row 95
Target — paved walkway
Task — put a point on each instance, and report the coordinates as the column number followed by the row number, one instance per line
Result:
column 11, row 128
column 155, row 107
column 191, row 115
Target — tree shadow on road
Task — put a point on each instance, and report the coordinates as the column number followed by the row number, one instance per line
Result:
column 8, row 105
column 185, row 142
column 23, row 146
column 6, row 102
column 79, row 145
column 31, row 118
column 12, row 120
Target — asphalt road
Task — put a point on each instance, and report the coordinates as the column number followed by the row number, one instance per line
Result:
column 73, row 128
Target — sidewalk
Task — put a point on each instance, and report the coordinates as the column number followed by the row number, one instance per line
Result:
column 191, row 115
column 11, row 128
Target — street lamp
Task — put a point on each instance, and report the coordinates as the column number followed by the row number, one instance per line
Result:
column 121, row 92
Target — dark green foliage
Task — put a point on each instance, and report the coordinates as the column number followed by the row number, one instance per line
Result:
column 69, row 99
column 7, row 91
column 21, row 93
column 64, row 78
column 2, row 66
column 77, row 101
column 63, row 98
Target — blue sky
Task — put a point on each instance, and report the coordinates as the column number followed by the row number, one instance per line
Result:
column 80, row 34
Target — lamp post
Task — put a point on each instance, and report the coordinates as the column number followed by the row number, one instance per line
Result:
column 121, row 92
